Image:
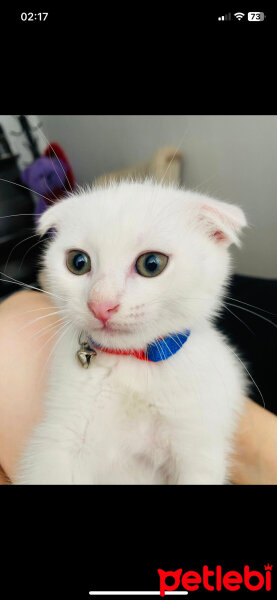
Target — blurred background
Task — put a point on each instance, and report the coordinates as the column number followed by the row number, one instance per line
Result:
column 233, row 158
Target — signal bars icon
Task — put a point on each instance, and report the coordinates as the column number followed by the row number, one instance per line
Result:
column 228, row 17
column 225, row 17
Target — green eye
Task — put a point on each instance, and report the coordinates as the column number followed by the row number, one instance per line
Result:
column 151, row 264
column 78, row 262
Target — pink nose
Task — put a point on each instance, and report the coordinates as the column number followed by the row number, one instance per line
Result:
column 103, row 310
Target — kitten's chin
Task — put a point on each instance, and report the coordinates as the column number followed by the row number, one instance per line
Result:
column 127, row 338
column 117, row 338
column 112, row 330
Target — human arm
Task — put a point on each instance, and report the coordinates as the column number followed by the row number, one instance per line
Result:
column 24, row 350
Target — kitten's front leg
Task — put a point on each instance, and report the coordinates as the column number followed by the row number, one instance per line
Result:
column 200, row 477
column 50, row 459
column 45, row 465
column 204, row 468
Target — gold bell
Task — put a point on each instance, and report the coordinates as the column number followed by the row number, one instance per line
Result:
column 85, row 355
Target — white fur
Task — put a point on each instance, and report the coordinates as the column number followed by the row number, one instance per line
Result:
column 125, row 421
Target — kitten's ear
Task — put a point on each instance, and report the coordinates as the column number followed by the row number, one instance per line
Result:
column 49, row 219
column 222, row 222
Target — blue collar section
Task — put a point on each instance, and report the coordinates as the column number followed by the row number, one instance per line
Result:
column 164, row 348
column 160, row 349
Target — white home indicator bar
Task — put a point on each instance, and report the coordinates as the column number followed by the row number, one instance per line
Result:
column 136, row 593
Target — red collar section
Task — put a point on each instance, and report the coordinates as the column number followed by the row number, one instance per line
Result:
column 160, row 349
column 140, row 354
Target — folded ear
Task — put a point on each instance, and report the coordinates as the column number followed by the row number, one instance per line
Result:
column 50, row 218
column 221, row 221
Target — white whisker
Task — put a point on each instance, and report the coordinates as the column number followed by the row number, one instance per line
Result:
column 22, row 284
column 33, row 245
column 252, row 305
column 51, row 191
column 39, row 319
column 238, row 318
column 50, row 326
column 25, row 187
column 252, row 379
column 252, row 312
column 49, row 339
column 43, row 134
column 18, row 244
column 172, row 159
column 18, row 215
column 55, row 345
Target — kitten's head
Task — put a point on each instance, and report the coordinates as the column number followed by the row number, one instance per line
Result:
column 137, row 261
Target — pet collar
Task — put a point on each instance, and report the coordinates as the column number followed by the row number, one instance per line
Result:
column 160, row 349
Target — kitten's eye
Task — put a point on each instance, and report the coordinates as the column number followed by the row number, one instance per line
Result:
column 151, row 264
column 78, row 262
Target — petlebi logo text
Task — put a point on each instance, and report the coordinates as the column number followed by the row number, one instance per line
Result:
column 215, row 580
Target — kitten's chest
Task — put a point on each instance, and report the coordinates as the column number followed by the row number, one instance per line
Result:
column 121, row 390
column 116, row 418
column 118, row 388
column 116, row 400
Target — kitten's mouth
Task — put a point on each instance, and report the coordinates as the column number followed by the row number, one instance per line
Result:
column 113, row 329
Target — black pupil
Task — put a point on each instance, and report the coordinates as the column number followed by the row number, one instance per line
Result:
column 79, row 261
column 151, row 263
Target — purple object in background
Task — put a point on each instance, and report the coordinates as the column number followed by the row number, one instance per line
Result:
column 40, row 207
column 46, row 176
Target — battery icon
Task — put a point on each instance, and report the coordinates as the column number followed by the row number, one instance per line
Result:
column 255, row 16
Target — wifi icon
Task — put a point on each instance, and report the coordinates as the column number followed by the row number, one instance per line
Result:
column 239, row 16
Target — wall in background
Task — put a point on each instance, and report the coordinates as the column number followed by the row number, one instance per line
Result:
column 18, row 143
column 233, row 158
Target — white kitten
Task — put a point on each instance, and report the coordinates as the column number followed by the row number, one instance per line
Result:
column 129, row 265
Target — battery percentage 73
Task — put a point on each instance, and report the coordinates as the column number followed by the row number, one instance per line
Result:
column 256, row 16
